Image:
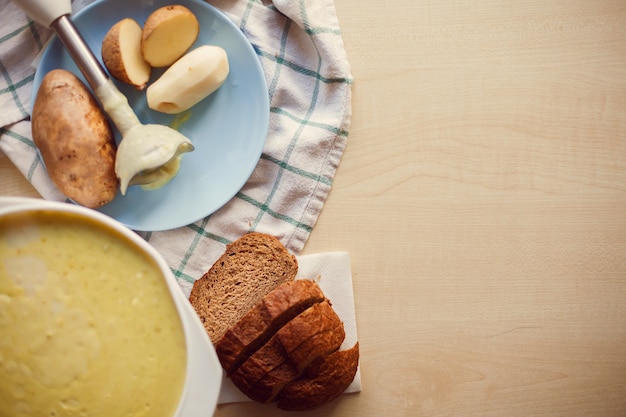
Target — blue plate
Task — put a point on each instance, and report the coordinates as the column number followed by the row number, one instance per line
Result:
column 228, row 128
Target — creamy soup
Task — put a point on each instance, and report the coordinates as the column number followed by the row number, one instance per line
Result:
column 87, row 323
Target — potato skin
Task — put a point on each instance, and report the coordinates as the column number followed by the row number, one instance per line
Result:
column 111, row 52
column 75, row 140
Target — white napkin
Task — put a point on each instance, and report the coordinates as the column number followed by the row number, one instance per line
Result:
column 333, row 273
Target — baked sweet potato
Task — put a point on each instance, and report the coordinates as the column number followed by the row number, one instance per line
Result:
column 74, row 139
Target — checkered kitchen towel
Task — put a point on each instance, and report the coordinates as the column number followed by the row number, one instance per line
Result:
column 299, row 45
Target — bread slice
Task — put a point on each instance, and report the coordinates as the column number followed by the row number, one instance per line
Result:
column 250, row 267
column 320, row 345
column 316, row 332
column 323, row 381
column 275, row 309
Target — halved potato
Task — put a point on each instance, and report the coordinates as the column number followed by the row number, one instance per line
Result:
column 167, row 34
column 121, row 54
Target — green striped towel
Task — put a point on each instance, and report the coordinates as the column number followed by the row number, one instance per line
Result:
column 299, row 45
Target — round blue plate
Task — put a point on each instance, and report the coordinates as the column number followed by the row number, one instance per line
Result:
column 228, row 128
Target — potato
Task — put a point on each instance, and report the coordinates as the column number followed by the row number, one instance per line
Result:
column 74, row 139
column 167, row 34
column 121, row 54
column 189, row 80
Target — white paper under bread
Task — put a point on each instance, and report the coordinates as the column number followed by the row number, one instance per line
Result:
column 333, row 273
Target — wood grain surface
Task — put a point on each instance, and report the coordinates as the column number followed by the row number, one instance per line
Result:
column 482, row 198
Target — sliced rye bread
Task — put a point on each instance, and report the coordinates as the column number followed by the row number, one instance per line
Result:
column 320, row 345
column 324, row 380
column 250, row 267
column 275, row 309
column 316, row 332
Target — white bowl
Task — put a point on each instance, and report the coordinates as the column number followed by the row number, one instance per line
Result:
column 203, row 371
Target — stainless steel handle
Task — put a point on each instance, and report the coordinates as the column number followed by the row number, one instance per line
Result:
column 80, row 52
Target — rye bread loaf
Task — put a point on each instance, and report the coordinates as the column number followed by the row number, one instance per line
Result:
column 259, row 324
column 250, row 267
column 314, row 333
column 270, row 385
column 324, row 380
column 254, row 312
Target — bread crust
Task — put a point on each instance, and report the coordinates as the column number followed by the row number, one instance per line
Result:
column 323, row 381
column 259, row 324
column 250, row 267
column 314, row 333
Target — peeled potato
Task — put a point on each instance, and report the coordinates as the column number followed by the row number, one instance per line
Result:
column 167, row 34
column 189, row 80
column 121, row 54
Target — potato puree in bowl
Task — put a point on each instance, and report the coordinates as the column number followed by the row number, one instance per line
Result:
column 88, row 325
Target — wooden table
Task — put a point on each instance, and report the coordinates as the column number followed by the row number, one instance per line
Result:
column 482, row 198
